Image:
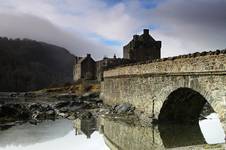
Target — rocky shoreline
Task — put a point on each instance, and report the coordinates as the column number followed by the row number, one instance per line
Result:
column 33, row 107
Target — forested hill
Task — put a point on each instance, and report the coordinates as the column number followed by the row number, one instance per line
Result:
column 27, row 65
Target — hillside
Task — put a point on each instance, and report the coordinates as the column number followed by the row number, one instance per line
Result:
column 27, row 65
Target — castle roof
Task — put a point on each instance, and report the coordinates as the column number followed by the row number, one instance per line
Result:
column 84, row 58
column 145, row 37
column 81, row 60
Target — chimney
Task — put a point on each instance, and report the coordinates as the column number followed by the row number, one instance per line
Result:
column 114, row 56
column 146, row 31
column 135, row 37
column 88, row 55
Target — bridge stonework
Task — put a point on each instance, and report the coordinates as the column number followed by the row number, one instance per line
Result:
column 148, row 85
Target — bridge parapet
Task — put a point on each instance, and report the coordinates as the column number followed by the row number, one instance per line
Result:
column 148, row 85
column 214, row 62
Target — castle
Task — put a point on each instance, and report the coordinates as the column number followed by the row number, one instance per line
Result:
column 143, row 47
column 140, row 48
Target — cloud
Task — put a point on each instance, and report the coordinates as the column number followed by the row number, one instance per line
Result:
column 110, row 22
column 103, row 27
column 195, row 25
column 32, row 27
column 81, row 18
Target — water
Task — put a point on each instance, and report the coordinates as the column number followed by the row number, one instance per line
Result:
column 212, row 130
column 47, row 135
column 105, row 134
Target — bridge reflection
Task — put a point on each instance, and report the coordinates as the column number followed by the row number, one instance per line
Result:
column 120, row 135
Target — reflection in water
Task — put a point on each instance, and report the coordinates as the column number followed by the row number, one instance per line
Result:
column 120, row 135
column 212, row 130
column 113, row 134
column 177, row 135
column 27, row 134
column 85, row 126
column 57, row 135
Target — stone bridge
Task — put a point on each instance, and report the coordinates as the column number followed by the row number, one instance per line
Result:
column 178, row 85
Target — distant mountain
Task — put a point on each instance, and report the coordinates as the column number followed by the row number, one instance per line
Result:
column 27, row 65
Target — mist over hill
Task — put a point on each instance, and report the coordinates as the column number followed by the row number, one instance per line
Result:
column 27, row 65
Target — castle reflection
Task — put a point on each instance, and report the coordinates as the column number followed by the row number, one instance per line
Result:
column 85, row 126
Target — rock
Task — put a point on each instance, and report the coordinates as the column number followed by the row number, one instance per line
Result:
column 74, row 108
column 90, row 95
column 62, row 104
column 96, row 100
column 42, row 111
column 63, row 109
column 68, row 106
column 35, row 107
column 67, row 96
column 14, row 94
column 86, row 115
column 29, row 94
column 75, row 103
column 104, row 111
column 124, row 108
column 50, row 114
column 64, row 115
column 71, row 117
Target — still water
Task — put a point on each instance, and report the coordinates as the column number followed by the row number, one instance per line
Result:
column 106, row 134
column 57, row 135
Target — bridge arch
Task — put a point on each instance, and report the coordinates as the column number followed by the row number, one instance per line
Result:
column 183, row 105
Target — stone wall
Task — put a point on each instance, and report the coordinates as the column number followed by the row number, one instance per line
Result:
column 106, row 63
column 193, row 55
column 147, row 86
column 77, row 72
column 179, row 65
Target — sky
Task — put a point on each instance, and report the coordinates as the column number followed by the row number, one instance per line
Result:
column 102, row 27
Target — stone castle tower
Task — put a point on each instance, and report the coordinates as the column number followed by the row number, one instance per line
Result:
column 142, row 47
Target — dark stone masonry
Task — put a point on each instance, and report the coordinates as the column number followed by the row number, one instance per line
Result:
column 142, row 47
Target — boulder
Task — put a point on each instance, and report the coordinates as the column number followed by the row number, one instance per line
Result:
column 124, row 108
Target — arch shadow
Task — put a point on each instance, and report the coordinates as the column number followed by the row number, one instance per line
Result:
column 184, row 105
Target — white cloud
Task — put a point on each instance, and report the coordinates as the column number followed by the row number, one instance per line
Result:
column 184, row 26
column 193, row 25
column 28, row 26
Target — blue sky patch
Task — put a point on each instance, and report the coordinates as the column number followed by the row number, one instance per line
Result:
column 105, row 41
column 112, row 2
